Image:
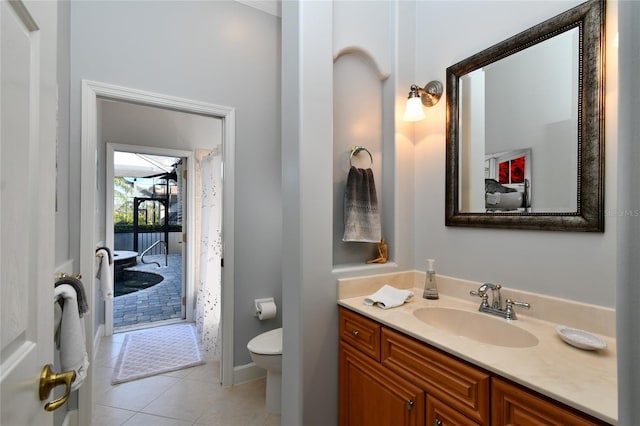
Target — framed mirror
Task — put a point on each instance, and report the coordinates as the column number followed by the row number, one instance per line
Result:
column 525, row 129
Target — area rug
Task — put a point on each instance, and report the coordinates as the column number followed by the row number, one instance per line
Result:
column 157, row 350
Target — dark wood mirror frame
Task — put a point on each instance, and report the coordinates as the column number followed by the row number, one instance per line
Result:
column 589, row 17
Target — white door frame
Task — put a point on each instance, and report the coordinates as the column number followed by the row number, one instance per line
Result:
column 91, row 91
column 190, row 219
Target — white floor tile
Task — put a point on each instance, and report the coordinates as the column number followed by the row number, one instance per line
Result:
column 192, row 396
column 109, row 416
column 186, row 400
column 137, row 394
column 209, row 372
column 142, row 419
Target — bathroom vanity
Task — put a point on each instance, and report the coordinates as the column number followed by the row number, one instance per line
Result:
column 395, row 369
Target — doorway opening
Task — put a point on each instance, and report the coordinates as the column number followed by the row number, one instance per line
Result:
column 148, row 250
column 92, row 205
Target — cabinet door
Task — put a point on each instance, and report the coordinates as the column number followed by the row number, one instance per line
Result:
column 439, row 414
column 371, row 395
column 512, row 405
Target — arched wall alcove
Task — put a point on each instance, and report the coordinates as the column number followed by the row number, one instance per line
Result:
column 359, row 119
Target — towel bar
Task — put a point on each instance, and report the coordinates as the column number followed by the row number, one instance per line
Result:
column 61, row 275
column 108, row 250
column 355, row 150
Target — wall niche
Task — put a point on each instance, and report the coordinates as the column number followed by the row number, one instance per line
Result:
column 359, row 119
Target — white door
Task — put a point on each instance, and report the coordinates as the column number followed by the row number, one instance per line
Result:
column 27, row 205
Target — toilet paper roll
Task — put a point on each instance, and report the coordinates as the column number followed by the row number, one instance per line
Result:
column 266, row 310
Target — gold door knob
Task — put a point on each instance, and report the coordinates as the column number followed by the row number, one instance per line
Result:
column 49, row 380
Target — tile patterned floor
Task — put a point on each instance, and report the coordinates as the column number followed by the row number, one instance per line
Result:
column 188, row 397
column 160, row 302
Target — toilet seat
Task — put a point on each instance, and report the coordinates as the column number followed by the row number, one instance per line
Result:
column 267, row 343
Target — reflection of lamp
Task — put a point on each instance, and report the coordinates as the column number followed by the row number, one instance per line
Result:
column 429, row 96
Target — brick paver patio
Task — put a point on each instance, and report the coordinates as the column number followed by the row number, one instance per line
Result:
column 160, row 302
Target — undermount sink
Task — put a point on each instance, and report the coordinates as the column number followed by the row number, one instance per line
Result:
column 476, row 326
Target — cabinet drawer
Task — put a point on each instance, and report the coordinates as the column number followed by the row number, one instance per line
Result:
column 513, row 405
column 360, row 332
column 439, row 414
column 455, row 383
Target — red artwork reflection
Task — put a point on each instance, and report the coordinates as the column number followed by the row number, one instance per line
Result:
column 503, row 172
column 511, row 171
column 517, row 170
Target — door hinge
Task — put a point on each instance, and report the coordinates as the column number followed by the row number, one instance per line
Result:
column 222, row 262
column 184, row 238
column 184, row 301
column 184, row 174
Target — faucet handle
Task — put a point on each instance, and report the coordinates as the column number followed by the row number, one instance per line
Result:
column 512, row 303
column 509, row 312
column 483, row 294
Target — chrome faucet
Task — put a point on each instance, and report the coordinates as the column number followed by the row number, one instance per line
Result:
column 496, row 308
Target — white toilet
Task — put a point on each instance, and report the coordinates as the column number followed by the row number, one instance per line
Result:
column 266, row 352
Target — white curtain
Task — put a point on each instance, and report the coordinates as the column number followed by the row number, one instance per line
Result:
column 210, row 270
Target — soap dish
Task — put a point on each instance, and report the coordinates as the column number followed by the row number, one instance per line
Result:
column 580, row 338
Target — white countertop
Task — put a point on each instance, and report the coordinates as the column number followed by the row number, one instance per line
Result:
column 585, row 380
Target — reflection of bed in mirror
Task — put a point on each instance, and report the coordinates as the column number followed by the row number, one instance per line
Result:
column 507, row 184
column 499, row 197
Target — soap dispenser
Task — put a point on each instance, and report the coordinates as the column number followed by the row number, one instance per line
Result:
column 430, row 288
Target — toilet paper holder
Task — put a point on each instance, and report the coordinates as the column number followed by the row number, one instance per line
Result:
column 257, row 303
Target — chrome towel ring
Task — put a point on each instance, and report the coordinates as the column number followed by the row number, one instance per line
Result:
column 355, row 150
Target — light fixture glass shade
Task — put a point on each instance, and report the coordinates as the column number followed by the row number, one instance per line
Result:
column 414, row 111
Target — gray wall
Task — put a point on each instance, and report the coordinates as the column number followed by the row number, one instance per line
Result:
column 628, row 213
column 220, row 52
column 577, row 266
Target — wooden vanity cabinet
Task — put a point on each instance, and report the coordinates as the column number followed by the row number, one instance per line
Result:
column 513, row 405
column 370, row 396
column 455, row 383
column 440, row 414
column 385, row 378
column 389, row 379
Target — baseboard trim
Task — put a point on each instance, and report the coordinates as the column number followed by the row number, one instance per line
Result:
column 247, row 373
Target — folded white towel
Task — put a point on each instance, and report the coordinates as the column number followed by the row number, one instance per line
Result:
column 388, row 297
column 70, row 329
column 106, row 279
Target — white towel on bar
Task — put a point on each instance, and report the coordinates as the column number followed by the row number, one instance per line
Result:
column 106, row 279
column 70, row 334
column 388, row 297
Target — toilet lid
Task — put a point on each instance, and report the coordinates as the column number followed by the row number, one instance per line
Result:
column 267, row 343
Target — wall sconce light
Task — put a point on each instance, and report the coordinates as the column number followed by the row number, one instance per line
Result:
column 429, row 96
